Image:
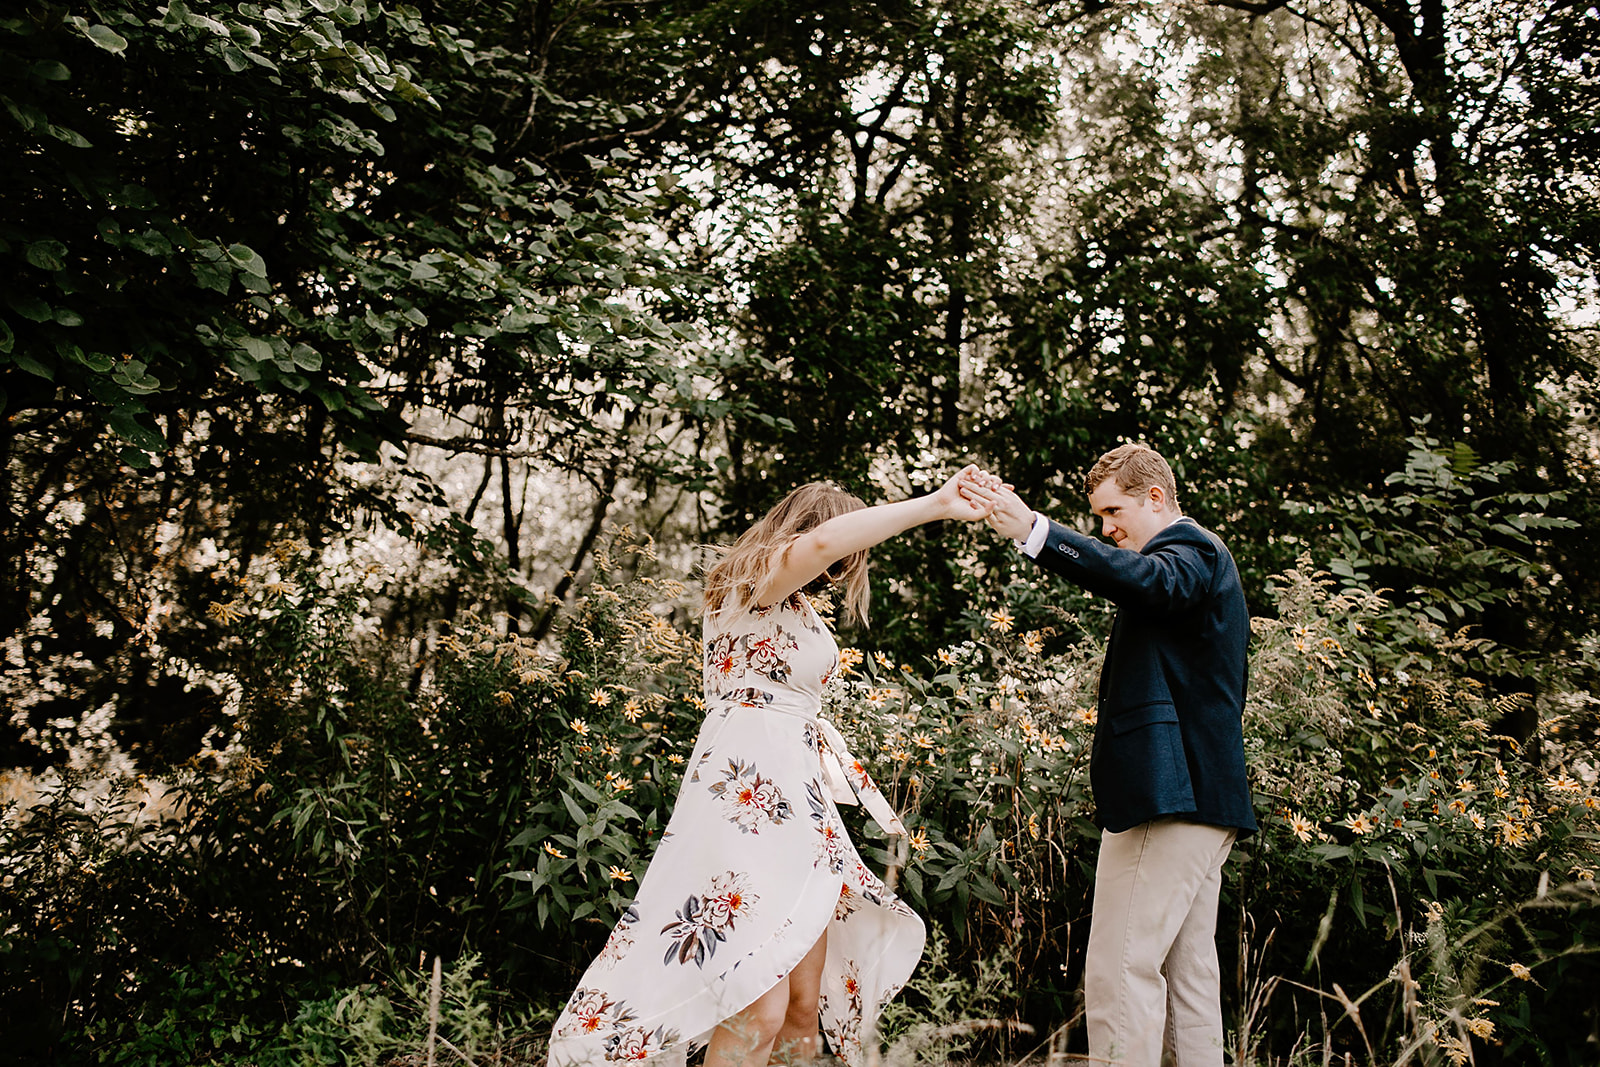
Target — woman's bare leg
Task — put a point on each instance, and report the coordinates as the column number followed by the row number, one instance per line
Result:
column 745, row 1039
column 797, row 1039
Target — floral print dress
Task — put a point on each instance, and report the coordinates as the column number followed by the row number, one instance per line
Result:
column 753, row 866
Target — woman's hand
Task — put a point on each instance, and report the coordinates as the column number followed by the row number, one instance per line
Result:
column 1003, row 508
column 954, row 504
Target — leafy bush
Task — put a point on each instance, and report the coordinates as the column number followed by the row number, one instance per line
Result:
column 1422, row 886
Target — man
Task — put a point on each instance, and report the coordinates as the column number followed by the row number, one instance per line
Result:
column 1167, row 770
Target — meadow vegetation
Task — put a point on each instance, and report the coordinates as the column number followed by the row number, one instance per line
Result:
column 1422, row 890
column 372, row 375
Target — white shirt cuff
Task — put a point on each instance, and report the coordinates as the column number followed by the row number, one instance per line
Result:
column 1036, row 536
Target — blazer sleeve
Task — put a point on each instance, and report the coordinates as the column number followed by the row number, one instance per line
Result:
column 1172, row 574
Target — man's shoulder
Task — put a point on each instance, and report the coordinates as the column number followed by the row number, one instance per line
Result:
column 1185, row 531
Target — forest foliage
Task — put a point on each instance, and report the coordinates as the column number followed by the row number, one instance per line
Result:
column 338, row 340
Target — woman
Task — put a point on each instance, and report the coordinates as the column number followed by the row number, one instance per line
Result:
column 757, row 919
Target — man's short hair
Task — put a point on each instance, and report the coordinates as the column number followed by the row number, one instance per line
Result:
column 1136, row 468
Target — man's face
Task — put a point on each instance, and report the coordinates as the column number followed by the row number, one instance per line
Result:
column 1129, row 519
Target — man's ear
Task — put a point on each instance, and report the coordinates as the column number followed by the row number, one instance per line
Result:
column 1158, row 497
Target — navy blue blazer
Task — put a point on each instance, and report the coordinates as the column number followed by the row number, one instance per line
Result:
column 1169, row 739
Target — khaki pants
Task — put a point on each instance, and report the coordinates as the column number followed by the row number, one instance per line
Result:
column 1151, row 975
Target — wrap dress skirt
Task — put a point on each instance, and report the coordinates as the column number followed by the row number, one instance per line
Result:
column 753, row 866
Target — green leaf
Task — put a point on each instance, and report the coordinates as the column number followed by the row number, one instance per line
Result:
column 984, row 889
column 332, row 399
column 51, row 70
column 306, row 358
column 103, row 36
column 259, row 349
column 248, row 260
column 211, row 276
column 33, row 366
column 46, row 255
column 534, row 879
column 70, row 137
column 30, row 307
column 127, row 426
column 98, row 362
column 246, row 368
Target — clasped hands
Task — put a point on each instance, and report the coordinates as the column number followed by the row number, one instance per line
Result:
column 987, row 496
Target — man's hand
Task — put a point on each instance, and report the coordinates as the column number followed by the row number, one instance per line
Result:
column 1006, row 512
column 955, row 504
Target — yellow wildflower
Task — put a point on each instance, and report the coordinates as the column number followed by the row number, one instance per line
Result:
column 600, row 698
column 945, row 657
column 922, row 740
column 1033, row 641
column 579, row 727
column 225, row 612
column 632, row 710
column 1000, row 620
column 556, row 852
column 1564, row 784
column 883, row 661
column 919, row 840
column 673, row 757
column 618, row 874
column 1358, row 824
column 1455, row 1050
column 849, row 659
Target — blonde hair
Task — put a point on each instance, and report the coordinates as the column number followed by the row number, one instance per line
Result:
column 1136, row 468
column 759, row 551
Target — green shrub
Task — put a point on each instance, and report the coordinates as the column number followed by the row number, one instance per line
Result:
column 1421, row 888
